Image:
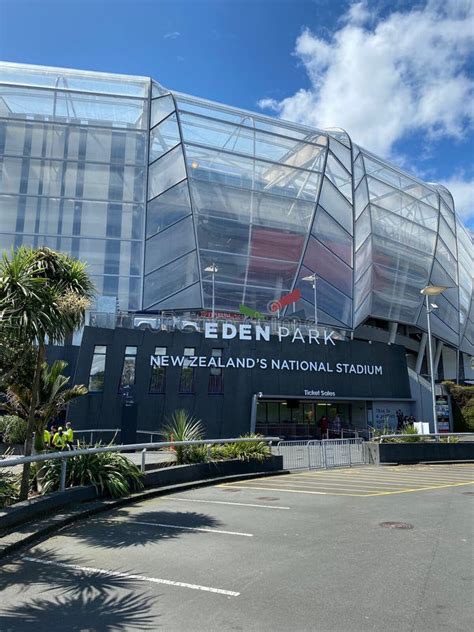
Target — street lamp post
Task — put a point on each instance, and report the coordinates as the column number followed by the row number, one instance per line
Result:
column 432, row 290
column 312, row 278
column 212, row 269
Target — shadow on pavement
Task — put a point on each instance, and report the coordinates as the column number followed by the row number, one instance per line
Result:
column 71, row 599
column 122, row 529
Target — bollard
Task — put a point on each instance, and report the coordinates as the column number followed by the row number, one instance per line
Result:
column 143, row 459
column 62, row 480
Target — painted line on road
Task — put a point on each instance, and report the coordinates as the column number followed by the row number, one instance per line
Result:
column 420, row 489
column 179, row 527
column 140, row 578
column 224, row 502
column 292, row 491
column 365, row 480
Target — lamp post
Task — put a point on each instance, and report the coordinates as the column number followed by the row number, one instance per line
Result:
column 212, row 269
column 432, row 290
column 312, row 278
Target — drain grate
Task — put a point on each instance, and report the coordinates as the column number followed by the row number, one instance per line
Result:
column 231, row 490
column 468, row 493
column 396, row 525
column 267, row 498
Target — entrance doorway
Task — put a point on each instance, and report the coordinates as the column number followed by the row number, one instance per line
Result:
column 299, row 419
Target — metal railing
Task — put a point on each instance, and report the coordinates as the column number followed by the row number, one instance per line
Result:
column 425, row 437
column 134, row 447
column 92, row 431
column 322, row 454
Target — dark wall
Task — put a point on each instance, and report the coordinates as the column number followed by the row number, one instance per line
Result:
column 227, row 414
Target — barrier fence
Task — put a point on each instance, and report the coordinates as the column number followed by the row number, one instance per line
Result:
column 299, row 455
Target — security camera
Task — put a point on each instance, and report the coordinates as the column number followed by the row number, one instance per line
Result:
column 259, row 394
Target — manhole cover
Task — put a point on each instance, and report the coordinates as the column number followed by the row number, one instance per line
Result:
column 468, row 493
column 396, row 525
column 267, row 498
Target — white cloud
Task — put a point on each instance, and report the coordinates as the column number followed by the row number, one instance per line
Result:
column 381, row 78
column 172, row 35
column 462, row 190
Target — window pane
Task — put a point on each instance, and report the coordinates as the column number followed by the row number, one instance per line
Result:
column 341, row 178
column 168, row 208
column 326, row 265
column 336, row 205
column 170, row 279
column 332, row 235
column 128, row 372
column 190, row 298
column 166, row 172
column 393, row 226
column 97, row 372
column 362, row 228
column 163, row 137
column 169, row 244
column 160, row 109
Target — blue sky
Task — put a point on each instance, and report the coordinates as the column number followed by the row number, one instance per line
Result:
column 397, row 75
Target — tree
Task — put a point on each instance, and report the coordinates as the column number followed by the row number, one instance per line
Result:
column 53, row 397
column 43, row 297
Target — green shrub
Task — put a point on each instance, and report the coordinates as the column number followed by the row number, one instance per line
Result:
column 13, row 429
column 183, row 427
column 9, row 489
column 245, row 451
column 410, row 430
column 110, row 472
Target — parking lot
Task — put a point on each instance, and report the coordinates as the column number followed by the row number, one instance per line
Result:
column 368, row 548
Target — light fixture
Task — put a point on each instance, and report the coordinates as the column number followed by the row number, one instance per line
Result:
column 194, row 164
column 427, row 291
column 213, row 269
column 434, row 290
column 312, row 278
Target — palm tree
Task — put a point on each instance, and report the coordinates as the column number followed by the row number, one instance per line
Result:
column 43, row 297
column 53, row 397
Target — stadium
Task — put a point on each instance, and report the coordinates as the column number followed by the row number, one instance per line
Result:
column 209, row 231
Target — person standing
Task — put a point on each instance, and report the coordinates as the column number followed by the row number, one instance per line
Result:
column 323, row 427
column 59, row 439
column 336, row 426
column 399, row 419
column 69, row 435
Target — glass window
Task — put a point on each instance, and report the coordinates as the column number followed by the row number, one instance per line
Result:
column 393, row 226
column 245, row 140
column 164, row 137
column 158, row 374
column 326, row 265
column 97, row 372
column 168, row 208
column 359, row 170
column 332, row 235
column 216, row 383
column 186, row 382
column 128, row 368
column 190, row 298
column 166, row 172
column 362, row 228
column 160, row 109
column 74, row 107
column 342, row 153
column 339, row 176
column 240, row 171
column 361, row 198
column 170, row 279
column 169, row 244
column 336, row 205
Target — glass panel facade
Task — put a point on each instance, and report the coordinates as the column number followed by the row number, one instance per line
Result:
column 150, row 188
column 166, row 172
column 164, row 137
column 169, row 244
column 170, row 279
column 73, row 169
column 336, row 205
column 332, row 235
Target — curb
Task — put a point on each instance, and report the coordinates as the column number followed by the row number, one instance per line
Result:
column 60, row 521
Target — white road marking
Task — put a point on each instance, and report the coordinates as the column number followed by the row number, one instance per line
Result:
column 141, row 578
column 177, row 526
column 224, row 502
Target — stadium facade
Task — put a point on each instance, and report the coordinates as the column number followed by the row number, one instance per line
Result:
column 192, row 211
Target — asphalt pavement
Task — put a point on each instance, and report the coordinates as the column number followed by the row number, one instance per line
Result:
column 308, row 551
